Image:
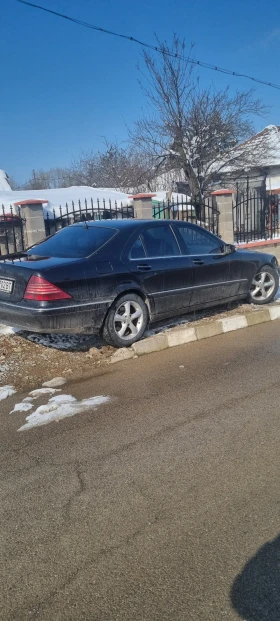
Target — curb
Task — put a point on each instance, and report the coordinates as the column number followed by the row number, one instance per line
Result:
column 203, row 330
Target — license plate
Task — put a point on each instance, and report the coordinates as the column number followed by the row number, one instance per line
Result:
column 6, row 285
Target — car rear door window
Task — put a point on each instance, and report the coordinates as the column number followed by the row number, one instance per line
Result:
column 74, row 242
column 137, row 251
column 159, row 241
column 198, row 241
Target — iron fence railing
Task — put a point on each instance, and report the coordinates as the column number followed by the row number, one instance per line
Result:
column 11, row 231
column 202, row 213
column 12, row 234
column 256, row 215
column 81, row 212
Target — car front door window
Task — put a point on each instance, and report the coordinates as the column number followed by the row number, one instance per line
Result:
column 199, row 242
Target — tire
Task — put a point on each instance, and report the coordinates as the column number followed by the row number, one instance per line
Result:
column 264, row 286
column 120, row 328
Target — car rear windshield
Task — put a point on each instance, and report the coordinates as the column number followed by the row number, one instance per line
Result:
column 74, row 242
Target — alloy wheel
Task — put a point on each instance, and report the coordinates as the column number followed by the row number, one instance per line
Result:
column 262, row 286
column 128, row 320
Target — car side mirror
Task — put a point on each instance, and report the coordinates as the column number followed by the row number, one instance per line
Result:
column 228, row 249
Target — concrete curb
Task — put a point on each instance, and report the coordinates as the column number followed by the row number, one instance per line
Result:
column 203, row 330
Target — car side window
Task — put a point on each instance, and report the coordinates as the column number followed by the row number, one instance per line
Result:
column 137, row 251
column 159, row 241
column 199, row 241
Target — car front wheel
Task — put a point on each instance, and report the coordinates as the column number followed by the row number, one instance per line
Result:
column 264, row 286
column 126, row 321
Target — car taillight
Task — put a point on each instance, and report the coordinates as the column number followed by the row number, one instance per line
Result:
column 43, row 291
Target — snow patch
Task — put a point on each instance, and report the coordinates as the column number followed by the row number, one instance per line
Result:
column 7, row 329
column 55, row 382
column 6, row 391
column 24, row 406
column 35, row 394
column 59, row 407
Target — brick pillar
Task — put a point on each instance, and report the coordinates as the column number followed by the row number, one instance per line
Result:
column 223, row 201
column 34, row 226
column 143, row 206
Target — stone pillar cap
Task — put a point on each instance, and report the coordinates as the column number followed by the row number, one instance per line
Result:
column 143, row 195
column 31, row 201
column 219, row 192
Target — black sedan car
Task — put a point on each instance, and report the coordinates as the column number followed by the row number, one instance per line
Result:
column 119, row 275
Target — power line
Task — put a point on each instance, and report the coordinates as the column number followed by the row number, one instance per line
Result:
column 151, row 47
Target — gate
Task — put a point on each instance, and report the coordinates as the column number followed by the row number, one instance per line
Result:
column 11, row 232
column 255, row 216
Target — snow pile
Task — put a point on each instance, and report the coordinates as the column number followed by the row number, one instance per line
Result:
column 59, row 407
column 4, row 330
column 4, row 184
column 6, row 391
column 59, row 197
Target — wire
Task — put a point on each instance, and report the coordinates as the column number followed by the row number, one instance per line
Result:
column 151, row 47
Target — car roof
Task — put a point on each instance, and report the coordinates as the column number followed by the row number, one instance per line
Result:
column 124, row 223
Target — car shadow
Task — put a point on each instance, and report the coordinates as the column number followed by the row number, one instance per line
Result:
column 255, row 593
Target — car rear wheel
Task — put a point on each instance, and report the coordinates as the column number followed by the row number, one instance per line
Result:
column 264, row 286
column 126, row 321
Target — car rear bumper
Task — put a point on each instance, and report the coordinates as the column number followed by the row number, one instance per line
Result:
column 70, row 319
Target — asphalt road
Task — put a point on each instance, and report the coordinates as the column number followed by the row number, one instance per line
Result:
column 163, row 504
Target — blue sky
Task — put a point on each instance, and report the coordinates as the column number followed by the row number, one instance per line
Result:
column 65, row 87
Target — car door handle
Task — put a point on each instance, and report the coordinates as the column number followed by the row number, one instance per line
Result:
column 144, row 267
column 198, row 262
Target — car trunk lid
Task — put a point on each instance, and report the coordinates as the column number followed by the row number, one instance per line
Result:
column 14, row 275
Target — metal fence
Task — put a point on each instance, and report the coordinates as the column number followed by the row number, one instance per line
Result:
column 11, row 232
column 204, row 214
column 256, row 216
column 12, row 237
column 81, row 212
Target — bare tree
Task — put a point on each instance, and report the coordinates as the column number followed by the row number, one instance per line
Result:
column 116, row 167
column 48, row 179
column 188, row 128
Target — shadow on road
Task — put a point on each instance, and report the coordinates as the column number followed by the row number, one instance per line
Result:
column 255, row 594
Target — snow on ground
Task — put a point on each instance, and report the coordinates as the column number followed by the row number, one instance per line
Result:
column 6, row 391
column 35, row 394
column 4, row 330
column 59, row 407
column 55, row 382
column 59, row 197
column 24, row 406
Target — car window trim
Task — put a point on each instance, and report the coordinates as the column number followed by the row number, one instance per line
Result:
column 168, row 256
